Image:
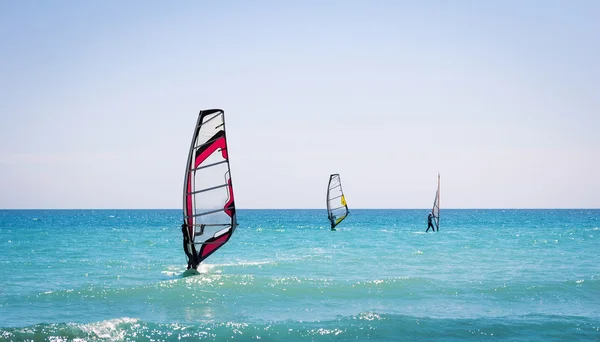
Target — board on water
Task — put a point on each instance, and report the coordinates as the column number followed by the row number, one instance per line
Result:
column 190, row 272
column 337, row 208
column 435, row 211
column 208, row 205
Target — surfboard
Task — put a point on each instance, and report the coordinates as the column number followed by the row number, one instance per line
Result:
column 190, row 272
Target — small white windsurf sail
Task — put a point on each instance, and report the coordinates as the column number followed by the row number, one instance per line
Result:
column 337, row 209
column 208, row 207
column 435, row 211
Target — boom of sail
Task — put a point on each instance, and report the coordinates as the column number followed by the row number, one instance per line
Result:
column 337, row 209
column 435, row 211
column 208, row 207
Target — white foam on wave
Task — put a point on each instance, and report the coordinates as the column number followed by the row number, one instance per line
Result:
column 368, row 316
column 110, row 329
column 178, row 270
column 245, row 263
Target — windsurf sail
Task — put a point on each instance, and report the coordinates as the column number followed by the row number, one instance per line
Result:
column 435, row 211
column 208, row 207
column 337, row 209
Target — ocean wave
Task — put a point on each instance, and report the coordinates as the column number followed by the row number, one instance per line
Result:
column 370, row 326
column 212, row 284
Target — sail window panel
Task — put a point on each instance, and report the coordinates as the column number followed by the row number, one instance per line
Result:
column 211, row 208
column 211, row 177
column 203, row 233
column 339, row 212
column 335, row 193
column 334, row 185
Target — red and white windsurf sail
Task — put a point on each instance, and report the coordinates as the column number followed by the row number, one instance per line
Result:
column 208, row 204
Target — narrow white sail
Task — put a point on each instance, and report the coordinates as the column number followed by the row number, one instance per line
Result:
column 435, row 211
column 208, row 206
column 337, row 209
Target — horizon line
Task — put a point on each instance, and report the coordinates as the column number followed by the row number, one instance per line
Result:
column 441, row 209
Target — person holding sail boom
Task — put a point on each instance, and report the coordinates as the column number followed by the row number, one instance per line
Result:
column 186, row 241
column 332, row 219
column 429, row 224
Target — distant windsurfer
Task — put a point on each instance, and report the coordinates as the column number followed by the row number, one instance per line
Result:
column 429, row 223
column 186, row 241
column 332, row 219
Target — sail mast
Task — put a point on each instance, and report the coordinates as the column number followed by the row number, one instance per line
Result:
column 439, row 193
column 435, row 211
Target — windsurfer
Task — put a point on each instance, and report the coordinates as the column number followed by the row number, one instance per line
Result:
column 186, row 241
column 429, row 224
column 332, row 219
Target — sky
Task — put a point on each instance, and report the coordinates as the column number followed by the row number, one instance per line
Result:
column 98, row 100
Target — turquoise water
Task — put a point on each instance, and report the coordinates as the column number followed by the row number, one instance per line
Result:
column 528, row 275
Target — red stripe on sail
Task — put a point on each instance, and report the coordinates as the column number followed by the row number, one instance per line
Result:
column 219, row 143
column 228, row 204
column 208, row 248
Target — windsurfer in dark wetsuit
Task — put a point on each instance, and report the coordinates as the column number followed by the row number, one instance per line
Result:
column 332, row 219
column 186, row 241
column 429, row 224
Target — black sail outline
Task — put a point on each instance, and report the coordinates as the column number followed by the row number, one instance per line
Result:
column 209, row 213
column 337, row 208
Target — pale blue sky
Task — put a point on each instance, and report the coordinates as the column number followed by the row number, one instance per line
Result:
column 98, row 100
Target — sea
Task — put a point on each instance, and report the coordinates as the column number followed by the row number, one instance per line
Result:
column 117, row 275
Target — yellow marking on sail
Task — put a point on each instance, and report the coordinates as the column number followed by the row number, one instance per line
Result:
column 343, row 200
column 340, row 219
